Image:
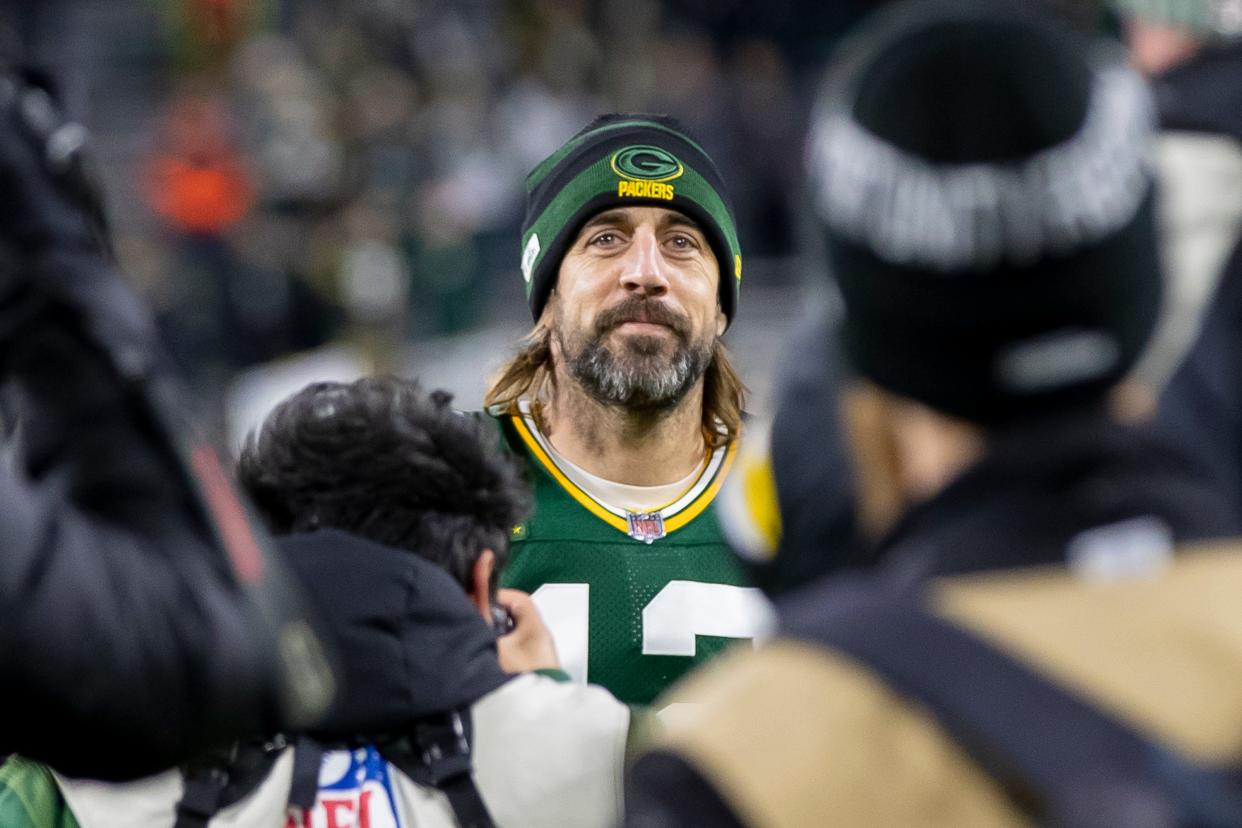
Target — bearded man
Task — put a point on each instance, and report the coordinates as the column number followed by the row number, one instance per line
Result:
column 625, row 407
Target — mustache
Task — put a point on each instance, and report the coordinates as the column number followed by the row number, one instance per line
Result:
column 635, row 309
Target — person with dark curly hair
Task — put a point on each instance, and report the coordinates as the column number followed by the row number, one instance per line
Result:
column 395, row 511
column 382, row 459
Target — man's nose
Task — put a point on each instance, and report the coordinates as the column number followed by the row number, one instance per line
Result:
column 643, row 270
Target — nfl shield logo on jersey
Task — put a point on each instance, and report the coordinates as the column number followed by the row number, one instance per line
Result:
column 355, row 791
column 646, row 526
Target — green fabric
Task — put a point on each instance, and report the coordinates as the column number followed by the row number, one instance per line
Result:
column 553, row 673
column 564, row 543
column 598, row 179
column 540, row 172
column 30, row 797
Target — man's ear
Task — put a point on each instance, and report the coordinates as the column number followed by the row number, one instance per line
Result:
column 480, row 591
column 722, row 321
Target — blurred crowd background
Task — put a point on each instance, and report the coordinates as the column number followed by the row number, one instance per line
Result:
column 311, row 189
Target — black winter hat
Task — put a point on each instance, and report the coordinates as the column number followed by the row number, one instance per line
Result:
column 981, row 177
column 619, row 161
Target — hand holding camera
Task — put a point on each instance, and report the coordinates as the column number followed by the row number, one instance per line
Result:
column 529, row 645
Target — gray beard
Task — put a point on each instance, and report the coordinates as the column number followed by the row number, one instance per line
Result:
column 640, row 379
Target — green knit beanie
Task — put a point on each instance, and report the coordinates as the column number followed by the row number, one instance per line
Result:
column 622, row 161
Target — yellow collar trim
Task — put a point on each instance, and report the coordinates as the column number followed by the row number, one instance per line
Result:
column 676, row 514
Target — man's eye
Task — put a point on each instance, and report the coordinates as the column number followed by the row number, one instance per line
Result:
column 605, row 238
column 682, row 242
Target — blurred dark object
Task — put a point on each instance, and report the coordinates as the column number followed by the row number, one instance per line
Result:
column 1201, row 100
column 805, row 30
column 790, row 515
column 1090, row 16
column 1194, row 52
column 48, row 36
column 1203, row 94
column 502, row 620
column 1191, row 51
column 144, row 618
column 815, row 484
column 1201, row 407
column 1020, row 330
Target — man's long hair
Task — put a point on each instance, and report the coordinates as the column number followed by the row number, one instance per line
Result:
column 529, row 375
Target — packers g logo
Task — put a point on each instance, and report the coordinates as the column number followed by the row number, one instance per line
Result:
column 646, row 163
column 645, row 171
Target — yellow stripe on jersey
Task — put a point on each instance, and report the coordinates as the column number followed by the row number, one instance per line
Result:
column 671, row 522
column 704, row 500
column 582, row 497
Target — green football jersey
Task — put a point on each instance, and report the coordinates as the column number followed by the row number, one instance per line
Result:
column 30, row 797
column 633, row 599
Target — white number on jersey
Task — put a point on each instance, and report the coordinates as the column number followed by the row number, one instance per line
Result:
column 672, row 619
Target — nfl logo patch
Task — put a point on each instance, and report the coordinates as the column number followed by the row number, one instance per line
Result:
column 646, row 526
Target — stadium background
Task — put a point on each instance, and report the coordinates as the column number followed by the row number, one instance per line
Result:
column 312, row 189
